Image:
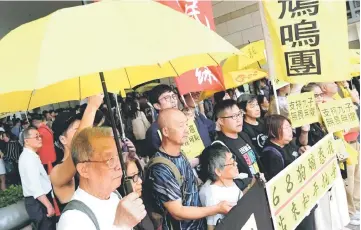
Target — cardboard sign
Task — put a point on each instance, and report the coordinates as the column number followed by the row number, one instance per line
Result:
column 294, row 191
column 339, row 115
column 302, row 109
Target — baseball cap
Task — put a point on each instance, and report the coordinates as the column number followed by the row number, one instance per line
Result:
column 63, row 121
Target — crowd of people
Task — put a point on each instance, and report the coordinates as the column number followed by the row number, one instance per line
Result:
column 69, row 160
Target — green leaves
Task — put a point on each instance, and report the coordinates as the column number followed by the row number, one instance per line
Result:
column 11, row 195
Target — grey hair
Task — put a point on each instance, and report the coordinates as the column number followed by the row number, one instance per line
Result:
column 26, row 133
column 82, row 144
column 217, row 159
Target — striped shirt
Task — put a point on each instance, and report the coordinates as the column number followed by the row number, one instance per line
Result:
column 166, row 188
column 12, row 151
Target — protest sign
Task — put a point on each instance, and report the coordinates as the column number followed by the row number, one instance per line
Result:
column 255, row 216
column 339, row 115
column 294, row 191
column 297, row 40
column 302, row 109
column 194, row 146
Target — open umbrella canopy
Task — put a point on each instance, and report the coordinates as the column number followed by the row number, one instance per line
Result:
column 130, row 41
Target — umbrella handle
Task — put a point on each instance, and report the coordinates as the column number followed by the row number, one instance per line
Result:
column 127, row 189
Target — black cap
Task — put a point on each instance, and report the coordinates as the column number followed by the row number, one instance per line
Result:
column 63, row 121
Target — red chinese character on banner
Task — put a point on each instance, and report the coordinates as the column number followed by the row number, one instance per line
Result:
column 204, row 78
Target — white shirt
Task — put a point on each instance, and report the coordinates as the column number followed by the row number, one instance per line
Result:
column 211, row 194
column 34, row 180
column 104, row 211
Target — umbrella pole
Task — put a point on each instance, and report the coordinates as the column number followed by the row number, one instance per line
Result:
column 120, row 117
column 127, row 184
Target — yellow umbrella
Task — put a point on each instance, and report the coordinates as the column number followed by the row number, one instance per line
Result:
column 130, row 41
column 252, row 54
column 146, row 87
column 243, row 68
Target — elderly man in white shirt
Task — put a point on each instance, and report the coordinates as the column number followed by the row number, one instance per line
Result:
column 35, row 182
column 96, row 159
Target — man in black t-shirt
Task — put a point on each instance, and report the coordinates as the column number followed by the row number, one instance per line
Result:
column 230, row 119
column 253, row 125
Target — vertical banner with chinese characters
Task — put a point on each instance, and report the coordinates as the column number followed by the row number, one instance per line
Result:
column 194, row 146
column 294, row 191
column 302, row 109
column 204, row 78
column 339, row 115
column 298, row 40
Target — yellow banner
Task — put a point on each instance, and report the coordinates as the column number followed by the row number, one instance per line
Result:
column 298, row 40
column 302, row 109
column 339, row 115
column 294, row 191
column 194, row 146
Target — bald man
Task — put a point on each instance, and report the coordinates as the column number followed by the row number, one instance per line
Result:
column 181, row 204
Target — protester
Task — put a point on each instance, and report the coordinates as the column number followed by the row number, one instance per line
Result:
column 264, row 104
column 222, row 169
column 162, row 97
column 282, row 93
column 230, row 119
column 311, row 134
column 96, row 160
column 65, row 128
column 253, row 126
column 176, row 205
column 265, row 90
column 220, row 96
column 135, row 174
column 140, row 126
column 2, row 173
column 35, row 182
column 17, row 128
column 205, row 127
column 46, row 151
column 350, row 137
column 11, row 150
column 279, row 152
column 24, row 125
column 147, row 108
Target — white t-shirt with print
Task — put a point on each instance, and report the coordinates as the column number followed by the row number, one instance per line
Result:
column 211, row 194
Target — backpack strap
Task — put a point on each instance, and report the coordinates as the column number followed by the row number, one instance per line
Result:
column 173, row 168
column 80, row 206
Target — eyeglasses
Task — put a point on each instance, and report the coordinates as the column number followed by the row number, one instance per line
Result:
column 234, row 162
column 317, row 95
column 235, row 116
column 135, row 177
column 111, row 162
column 36, row 137
column 169, row 97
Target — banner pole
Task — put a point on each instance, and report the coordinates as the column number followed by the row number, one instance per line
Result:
column 269, row 52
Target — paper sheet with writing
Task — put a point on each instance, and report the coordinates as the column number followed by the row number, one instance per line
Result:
column 294, row 191
column 339, row 115
column 302, row 109
column 194, row 146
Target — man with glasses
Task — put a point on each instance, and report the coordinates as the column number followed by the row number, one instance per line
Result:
column 95, row 157
column 162, row 97
column 253, row 125
column 230, row 119
column 35, row 182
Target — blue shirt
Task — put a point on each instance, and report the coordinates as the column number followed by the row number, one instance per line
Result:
column 166, row 188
